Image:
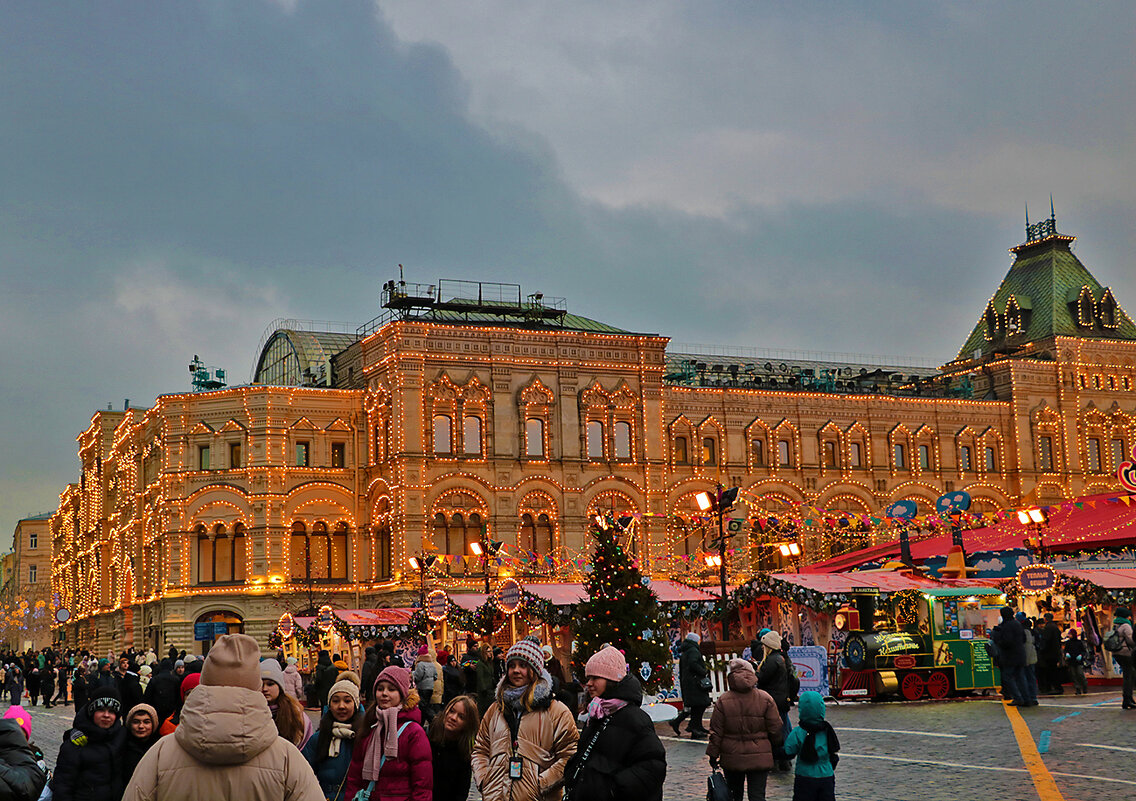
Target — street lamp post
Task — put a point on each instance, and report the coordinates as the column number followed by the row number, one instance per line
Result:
column 721, row 502
column 420, row 563
column 487, row 548
column 1036, row 521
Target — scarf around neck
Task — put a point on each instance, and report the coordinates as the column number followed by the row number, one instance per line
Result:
column 339, row 733
column 384, row 743
column 808, row 749
column 600, row 708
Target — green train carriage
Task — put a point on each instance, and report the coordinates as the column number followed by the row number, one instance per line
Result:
column 936, row 646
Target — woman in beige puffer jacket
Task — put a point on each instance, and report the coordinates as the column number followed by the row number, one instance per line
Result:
column 226, row 745
column 546, row 733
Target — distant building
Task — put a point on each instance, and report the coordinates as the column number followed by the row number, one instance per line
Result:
column 26, row 618
column 468, row 412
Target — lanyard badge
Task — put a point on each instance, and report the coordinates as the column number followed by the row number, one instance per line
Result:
column 515, row 768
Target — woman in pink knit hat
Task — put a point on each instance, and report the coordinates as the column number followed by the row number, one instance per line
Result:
column 619, row 754
column 526, row 737
column 391, row 760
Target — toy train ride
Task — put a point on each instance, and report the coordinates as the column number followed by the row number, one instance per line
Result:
column 938, row 647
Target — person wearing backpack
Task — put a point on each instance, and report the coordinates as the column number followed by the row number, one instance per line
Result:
column 1122, row 627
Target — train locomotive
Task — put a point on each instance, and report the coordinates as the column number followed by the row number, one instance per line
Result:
column 937, row 648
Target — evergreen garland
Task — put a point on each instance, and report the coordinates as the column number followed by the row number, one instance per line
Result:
column 620, row 610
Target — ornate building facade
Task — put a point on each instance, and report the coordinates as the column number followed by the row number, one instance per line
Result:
column 467, row 414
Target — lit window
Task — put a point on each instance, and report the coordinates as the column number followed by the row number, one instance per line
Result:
column 1045, row 453
column 924, row 457
column 622, row 440
column 595, row 439
column 758, row 453
column 964, row 458
column 534, row 437
column 203, row 457
column 681, row 455
column 709, row 450
column 830, row 454
column 338, row 454
column 302, row 455
column 442, row 441
column 471, row 435
column 899, row 457
column 234, row 455
column 856, row 455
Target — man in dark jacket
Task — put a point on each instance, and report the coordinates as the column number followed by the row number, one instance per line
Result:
column 369, row 673
column 128, row 685
column 1010, row 639
column 324, row 677
column 619, row 754
column 164, row 690
column 695, row 698
column 21, row 777
column 1049, row 656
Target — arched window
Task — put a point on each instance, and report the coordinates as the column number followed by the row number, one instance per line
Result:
column 456, row 537
column 855, row 455
column 595, row 440
column 239, row 552
column 298, row 551
column 622, row 440
column 442, row 434
column 222, row 555
column 991, row 459
column 471, row 435
column 441, row 539
column 543, row 541
column 526, row 538
column 319, row 551
column 339, row 552
column 534, row 437
column 204, row 557
column 472, row 531
column 384, row 538
column 924, row 457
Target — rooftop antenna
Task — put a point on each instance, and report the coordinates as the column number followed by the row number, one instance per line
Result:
column 1052, row 213
column 401, row 280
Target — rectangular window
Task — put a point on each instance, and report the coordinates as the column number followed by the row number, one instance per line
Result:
column 534, row 437
column 681, row 455
column 991, row 459
column 758, row 453
column 203, row 457
column 302, row 454
column 442, row 439
column 709, row 451
column 1045, row 453
column 622, row 440
column 471, row 435
column 856, row 455
column 784, row 453
column 33, row 539
column 924, row 457
column 595, row 440
column 339, row 454
column 964, row 458
column 1117, row 452
column 830, row 454
column 234, row 456
column 899, row 457
column 1094, row 455
column 33, row 570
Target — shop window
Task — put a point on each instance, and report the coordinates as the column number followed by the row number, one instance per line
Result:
column 595, row 440
column 338, row 454
column 442, row 441
column 622, row 440
column 534, row 438
column 471, row 435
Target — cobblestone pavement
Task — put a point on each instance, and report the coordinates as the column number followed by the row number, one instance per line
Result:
column 928, row 751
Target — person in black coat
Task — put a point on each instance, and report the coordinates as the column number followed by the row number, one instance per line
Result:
column 21, row 777
column 451, row 748
column 1010, row 639
column 89, row 764
column 695, row 698
column 369, row 673
column 141, row 725
column 324, row 676
column 80, row 687
column 1048, row 639
column 127, row 683
column 619, row 754
column 47, row 685
column 164, row 690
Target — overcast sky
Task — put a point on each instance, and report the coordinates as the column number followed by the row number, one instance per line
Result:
column 828, row 176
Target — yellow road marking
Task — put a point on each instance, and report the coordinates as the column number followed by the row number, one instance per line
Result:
column 1042, row 779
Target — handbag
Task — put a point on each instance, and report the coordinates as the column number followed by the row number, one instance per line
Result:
column 705, row 683
column 716, row 789
column 365, row 793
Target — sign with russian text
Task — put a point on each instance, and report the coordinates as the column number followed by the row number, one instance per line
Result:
column 509, row 596
column 1036, row 578
column 811, row 664
column 437, row 604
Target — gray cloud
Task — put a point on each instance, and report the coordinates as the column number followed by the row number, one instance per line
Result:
column 177, row 175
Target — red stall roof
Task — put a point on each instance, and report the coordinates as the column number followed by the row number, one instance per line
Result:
column 568, row 593
column 884, row 580
column 366, row 617
column 1092, row 521
column 1115, row 578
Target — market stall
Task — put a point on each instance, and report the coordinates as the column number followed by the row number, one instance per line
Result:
column 341, row 631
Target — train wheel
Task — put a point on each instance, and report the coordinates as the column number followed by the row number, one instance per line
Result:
column 912, row 686
column 938, row 684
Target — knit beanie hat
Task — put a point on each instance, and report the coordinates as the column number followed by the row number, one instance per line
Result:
column 348, row 687
column 105, row 698
column 190, row 681
column 293, row 660
column 423, row 650
column 144, row 709
column 180, row 663
column 690, row 635
column 21, row 716
column 350, row 675
column 233, row 661
column 398, row 676
column 145, row 670
column 339, row 664
column 270, row 670
column 771, row 639
column 607, row 663
column 528, row 652
column 740, row 666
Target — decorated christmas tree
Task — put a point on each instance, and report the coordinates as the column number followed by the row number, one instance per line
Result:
column 621, row 610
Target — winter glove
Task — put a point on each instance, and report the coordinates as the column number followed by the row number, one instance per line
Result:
column 714, row 763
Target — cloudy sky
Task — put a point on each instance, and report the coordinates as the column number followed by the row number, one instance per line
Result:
column 827, row 176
